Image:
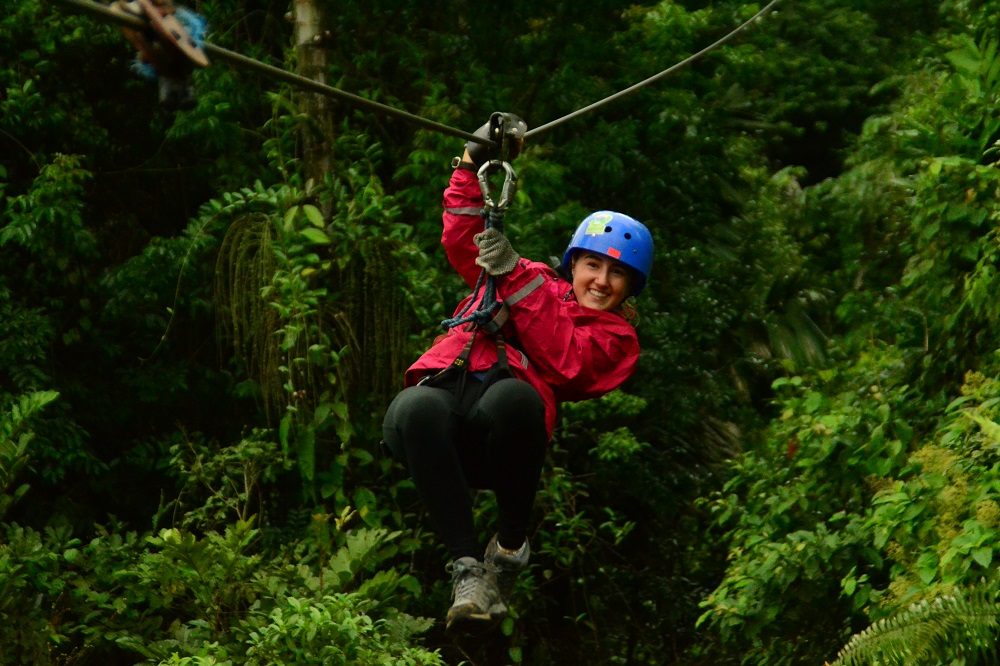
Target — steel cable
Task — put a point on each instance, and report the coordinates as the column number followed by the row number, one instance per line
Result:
column 225, row 55
column 656, row 77
column 104, row 12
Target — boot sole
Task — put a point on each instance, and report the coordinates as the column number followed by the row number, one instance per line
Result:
column 467, row 622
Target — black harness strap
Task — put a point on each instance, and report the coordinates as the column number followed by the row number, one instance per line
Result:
column 455, row 377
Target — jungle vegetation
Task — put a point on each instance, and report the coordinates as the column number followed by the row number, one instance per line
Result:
column 204, row 313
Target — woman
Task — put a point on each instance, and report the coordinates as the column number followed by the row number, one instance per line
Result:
column 565, row 338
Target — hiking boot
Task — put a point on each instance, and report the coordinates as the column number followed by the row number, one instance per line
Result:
column 475, row 596
column 507, row 563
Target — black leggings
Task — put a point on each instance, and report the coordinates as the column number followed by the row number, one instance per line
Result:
column 499, row 444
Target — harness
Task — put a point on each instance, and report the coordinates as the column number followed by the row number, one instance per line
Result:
column 490, row 315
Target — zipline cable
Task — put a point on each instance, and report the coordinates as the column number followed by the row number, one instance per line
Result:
column 303, row 82
column 656, row 77
column 232, row 57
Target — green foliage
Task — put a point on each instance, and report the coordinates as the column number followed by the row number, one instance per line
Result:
column 335, row 629
column 315, row 306
column 858, row 272
column 47, row 221
column 222, row 485
column 218, row 596
column 959, row 628
column 869, row 477
column 976, row 80
column 938, row 520
column 245, row 273
column 33, row 579
column 601, row 546
column 15, row 436
column 206, row 597
column 790, row 510
column 114, row 213
column 24, row 337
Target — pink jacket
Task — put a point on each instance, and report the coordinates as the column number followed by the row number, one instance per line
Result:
column 564, row 350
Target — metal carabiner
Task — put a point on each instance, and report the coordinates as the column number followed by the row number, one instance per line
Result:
column 506, row 191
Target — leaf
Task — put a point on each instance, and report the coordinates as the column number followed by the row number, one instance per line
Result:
column 315, row 236
column 314, row 216
column 364, row 498
column 307, row 453
column 283, row 429
column 340, row 409
column 289, row 220
column 927, row 565
column 321, row 413
column 813, row 401
column 983, row 556
column 363, row 456
column 344, row 431
column 965, row 60
column 849, row 584
column 410, row 584
column 990, row 428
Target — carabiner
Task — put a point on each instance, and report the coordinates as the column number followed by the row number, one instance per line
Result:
column 506, row 192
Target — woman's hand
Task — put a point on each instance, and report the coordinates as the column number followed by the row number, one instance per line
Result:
column 496, row 256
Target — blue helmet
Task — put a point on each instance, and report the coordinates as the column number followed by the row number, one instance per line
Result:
column 617, row 236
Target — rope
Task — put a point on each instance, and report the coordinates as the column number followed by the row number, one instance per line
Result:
column 656, row 77
column 493, row 214
column 101, row 11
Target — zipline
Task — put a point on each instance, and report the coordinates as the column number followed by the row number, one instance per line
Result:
column 656, row 77
column 106, row 13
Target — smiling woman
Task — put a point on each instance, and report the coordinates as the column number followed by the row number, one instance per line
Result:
column 480, row 404
column 599, row 282
column 613, row 240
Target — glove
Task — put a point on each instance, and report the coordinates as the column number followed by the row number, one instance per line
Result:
column 492, row 129
column 496, row 255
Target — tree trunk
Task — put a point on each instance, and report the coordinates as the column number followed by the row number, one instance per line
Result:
column 310, row 52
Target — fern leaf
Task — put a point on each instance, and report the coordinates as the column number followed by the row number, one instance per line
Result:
column 928, row 632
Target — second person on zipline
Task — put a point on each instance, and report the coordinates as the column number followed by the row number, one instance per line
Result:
column 485, row 422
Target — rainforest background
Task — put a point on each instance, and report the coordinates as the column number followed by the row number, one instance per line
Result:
column 204, row 313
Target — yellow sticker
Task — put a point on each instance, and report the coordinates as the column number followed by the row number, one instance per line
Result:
column 597, row 223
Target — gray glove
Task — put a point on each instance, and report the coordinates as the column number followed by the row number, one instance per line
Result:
column 495, row 253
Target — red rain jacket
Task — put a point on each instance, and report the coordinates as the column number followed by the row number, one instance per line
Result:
column 564, row 350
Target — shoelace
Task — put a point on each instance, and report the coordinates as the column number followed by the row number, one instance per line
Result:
column 471, row 585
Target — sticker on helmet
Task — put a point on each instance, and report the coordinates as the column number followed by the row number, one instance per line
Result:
column 614, row 253
column 598, row 222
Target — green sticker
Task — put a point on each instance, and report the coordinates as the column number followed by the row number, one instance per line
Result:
column 597, row 223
